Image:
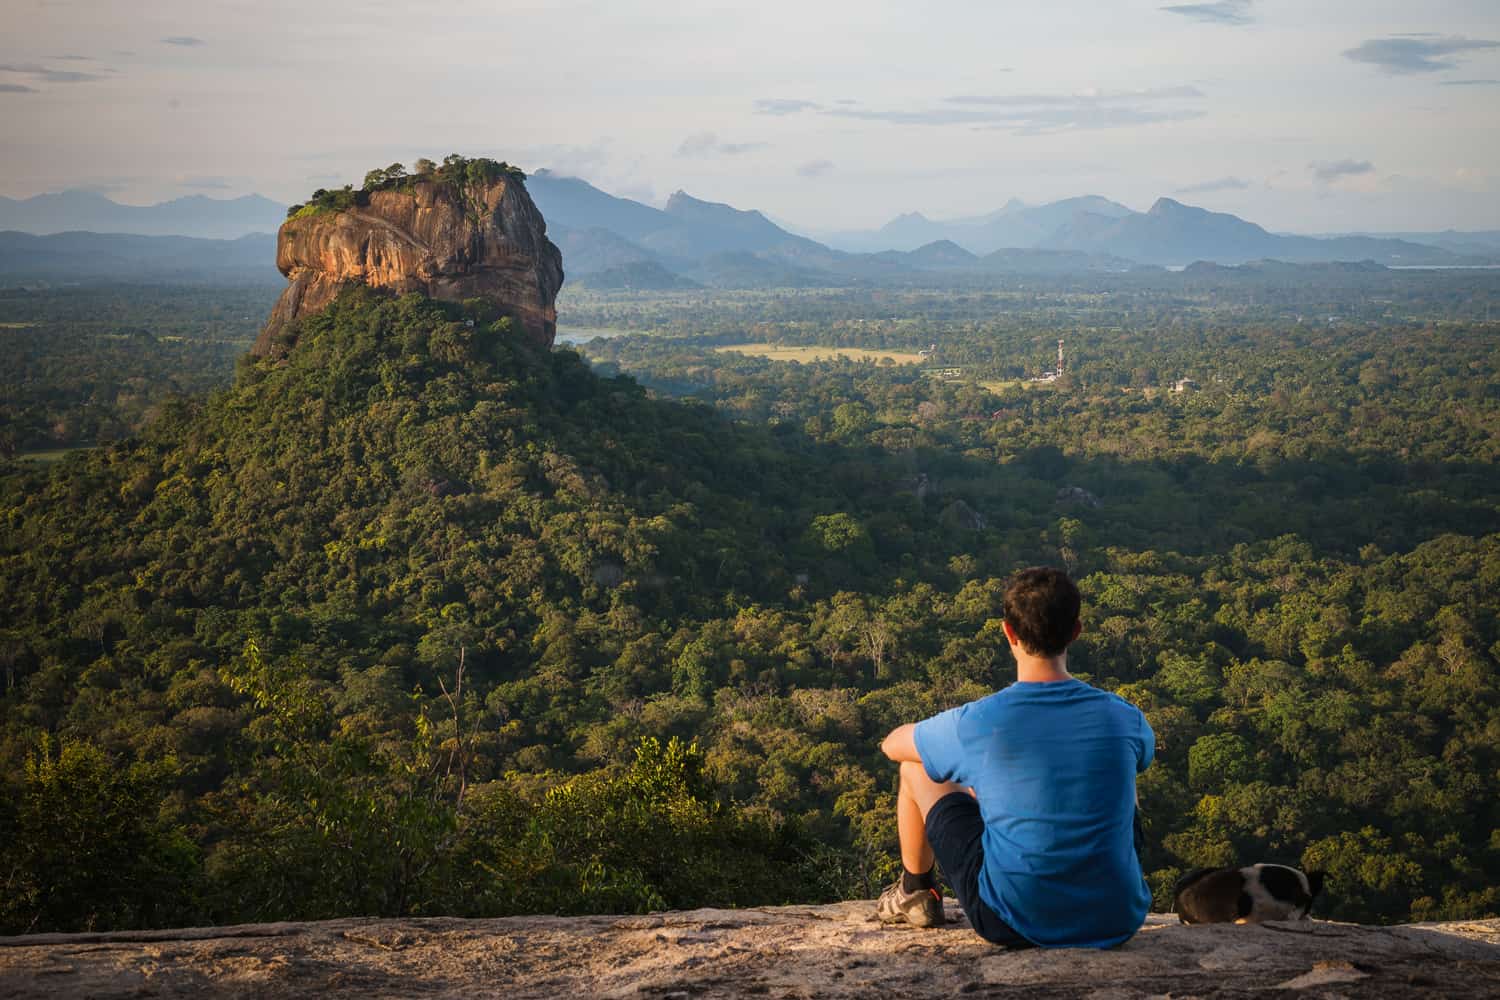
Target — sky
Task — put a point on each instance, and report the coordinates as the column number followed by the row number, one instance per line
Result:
column 1306, row 116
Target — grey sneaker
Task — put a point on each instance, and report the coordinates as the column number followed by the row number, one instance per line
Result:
column 923, row 908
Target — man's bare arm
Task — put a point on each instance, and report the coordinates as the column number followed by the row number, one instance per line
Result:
column 901, row 745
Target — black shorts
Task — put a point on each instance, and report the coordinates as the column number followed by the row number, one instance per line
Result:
column 956, row 832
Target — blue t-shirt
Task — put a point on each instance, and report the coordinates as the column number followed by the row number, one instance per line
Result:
column 1053, row 765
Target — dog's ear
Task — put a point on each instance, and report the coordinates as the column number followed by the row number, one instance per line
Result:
column 1315, row 883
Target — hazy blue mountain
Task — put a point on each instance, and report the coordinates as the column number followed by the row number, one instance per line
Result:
column 705, row 228
column 1172, row 233
column 639, row 275
column 1030, row 226
column 940, row 255
column 1479, row 243
column 944, row 263
column 904, row 233
column 1010, row 207
column 1016, row 225
column 128, row 257
column 751, row 226
column 601, row 229
column 196, row 215
column 577, row 204
column 742, row 269
column 1391, row 253
column 596, row 249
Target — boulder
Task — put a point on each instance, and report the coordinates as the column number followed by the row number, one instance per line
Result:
column 446, row 240
column 1076, row 496
column 959, row 516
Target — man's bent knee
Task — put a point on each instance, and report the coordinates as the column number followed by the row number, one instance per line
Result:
column 922, row 789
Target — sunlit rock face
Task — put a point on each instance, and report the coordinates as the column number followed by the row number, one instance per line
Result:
column 443, row 240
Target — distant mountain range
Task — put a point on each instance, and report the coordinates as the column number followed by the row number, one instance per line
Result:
column 1174, row 233
column 1016, row 226
column 713, row 244
column 127, row 257
column 618, row 243
column 1170, row 234
column 1479, row 243
column 610, row 242
column 207, row 218
column 704, row 242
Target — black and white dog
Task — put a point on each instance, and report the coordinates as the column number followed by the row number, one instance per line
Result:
column 1246, row 895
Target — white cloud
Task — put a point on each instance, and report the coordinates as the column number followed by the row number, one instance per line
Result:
column 1328, row 171
column 1220, row 184
column 708, row 144
column 1407, row 54
column 1234, row 12
column 784, row 106
column 1039, row 114
column 44, row 74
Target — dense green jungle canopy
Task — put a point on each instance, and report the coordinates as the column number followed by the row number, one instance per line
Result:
column 90, row 364
column 423, row 621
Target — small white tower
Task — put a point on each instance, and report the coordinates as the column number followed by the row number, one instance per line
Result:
column 1059, row 357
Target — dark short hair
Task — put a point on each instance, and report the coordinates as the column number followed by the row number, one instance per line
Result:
column 1041, row 605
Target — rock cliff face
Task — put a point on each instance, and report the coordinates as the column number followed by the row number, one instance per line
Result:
column 446, row 241
column 833, row 952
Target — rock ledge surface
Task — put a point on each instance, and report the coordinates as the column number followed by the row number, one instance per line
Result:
column 834, row 951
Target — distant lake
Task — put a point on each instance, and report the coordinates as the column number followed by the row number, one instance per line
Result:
column 583, row 334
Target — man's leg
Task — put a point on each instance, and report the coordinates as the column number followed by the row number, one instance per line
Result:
column 915, row 897
column 916, row 797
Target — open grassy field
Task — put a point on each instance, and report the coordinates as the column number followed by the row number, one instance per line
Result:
column 48, row 456
column 778, row 353
column 996, row 385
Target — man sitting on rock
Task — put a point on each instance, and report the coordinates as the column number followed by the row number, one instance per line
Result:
column 1027, row 796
